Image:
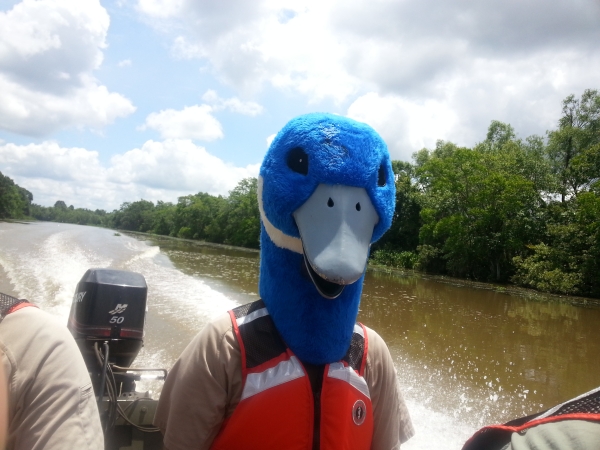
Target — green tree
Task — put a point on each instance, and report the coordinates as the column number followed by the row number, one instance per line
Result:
column 164, row 219
column 567, row 260
column 136, row 216
column 60, row 204
column 397, row 247
column 499, row 133
column 15, row 201
column 26, row 200
column 479, row 206
column 240, row 218
column 197, row 212
column 575, row 143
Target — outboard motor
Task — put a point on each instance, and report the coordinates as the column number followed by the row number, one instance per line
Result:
column 107, row 320
column 109, row 306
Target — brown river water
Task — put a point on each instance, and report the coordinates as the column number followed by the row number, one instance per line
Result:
column 465, row 356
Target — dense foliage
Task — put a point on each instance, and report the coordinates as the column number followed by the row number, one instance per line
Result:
column 15, row 202
column 60, row 212
column 232, row 220
column 525, row 211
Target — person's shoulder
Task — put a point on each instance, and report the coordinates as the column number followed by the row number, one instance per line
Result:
column 218, row 326
column 212, row 341
column 19, row 332
column 375, row 341
column 29, row 310
column 221, row 322
column 379, row 359
column 371, row 332
column 32, row 319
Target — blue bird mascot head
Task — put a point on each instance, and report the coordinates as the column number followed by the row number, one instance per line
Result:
column 326, row 192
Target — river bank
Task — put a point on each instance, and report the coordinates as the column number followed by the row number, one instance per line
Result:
column 529, row 294
column 510, row 289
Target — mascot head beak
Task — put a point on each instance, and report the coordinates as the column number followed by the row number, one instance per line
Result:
column 336, row 226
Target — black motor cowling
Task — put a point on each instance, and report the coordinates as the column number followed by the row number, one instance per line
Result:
column 109, row 306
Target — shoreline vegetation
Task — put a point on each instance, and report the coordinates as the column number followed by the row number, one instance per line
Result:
column 515, row 213
column 510, row 289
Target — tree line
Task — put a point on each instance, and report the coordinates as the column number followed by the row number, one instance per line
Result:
column 231, row 220
column 15, row 201
column 510, row 210
column 525, row 211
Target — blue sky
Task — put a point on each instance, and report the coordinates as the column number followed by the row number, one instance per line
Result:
column 103, row 102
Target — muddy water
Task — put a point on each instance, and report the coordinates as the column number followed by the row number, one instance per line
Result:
column 480, row 356
column 465, row 357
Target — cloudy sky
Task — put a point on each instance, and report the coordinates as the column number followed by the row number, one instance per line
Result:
column 103, row 102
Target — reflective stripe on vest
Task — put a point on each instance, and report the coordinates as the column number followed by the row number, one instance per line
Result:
column 349, row 375
column 276, row 409
column 283, row 372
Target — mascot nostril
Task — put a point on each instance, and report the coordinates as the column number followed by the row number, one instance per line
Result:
column 295, row 369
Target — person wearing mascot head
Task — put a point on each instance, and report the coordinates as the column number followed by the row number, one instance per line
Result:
column 294, row 370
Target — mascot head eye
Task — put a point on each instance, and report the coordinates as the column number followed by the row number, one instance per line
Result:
column 297, row 160
column 381, row 177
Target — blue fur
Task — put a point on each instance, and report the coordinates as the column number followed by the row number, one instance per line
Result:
column 341, row 151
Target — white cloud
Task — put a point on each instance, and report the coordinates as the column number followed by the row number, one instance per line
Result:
column 48, row 52
column 337, row 49
column 192, row 122
column 38, row 113
column 177, row 164
column 53, row 173
column 156, row 171
column 526, row 92
column 233, row 104
column 198, row 122
column 287, row 44
column 447, row 68
column 161, row 8
column 124, row 63
column 405, row 125
column 51, row 160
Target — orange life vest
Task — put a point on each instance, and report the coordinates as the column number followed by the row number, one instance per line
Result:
column 278, row 408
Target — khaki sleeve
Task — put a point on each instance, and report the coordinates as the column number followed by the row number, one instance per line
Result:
column 202, row 389
column 52, row 404
column 392, row 423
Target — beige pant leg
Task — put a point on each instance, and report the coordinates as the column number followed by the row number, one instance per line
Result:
column 51, row 399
